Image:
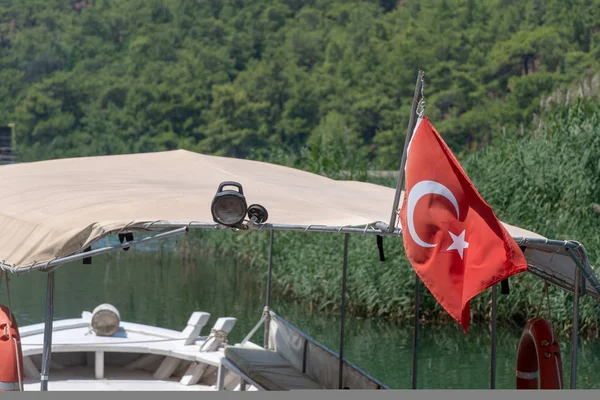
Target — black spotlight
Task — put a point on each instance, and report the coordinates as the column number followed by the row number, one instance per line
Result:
column 228, row 206
column 257, row 214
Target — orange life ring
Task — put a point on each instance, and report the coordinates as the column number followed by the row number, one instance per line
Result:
column 11, row 355
column 539, row 363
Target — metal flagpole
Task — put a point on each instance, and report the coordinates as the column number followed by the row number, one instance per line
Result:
column 409, row 132
column 416, row 331
column 418, row 100
column 493, row 356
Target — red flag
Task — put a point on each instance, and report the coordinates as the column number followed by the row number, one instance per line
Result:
column 452, row 237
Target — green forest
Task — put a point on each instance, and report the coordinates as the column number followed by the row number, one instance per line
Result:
column 327, row 86
column 244, row 77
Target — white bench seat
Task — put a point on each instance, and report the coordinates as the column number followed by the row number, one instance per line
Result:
column 265, row 369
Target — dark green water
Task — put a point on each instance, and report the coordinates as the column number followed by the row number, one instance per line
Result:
column 156, row 286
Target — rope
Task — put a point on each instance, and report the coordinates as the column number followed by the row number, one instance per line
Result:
column 215, row 334
column 548, row 302
column 537, row 314
column 545, row 289
column 12, row 316
column 219, row 334
column 18, row 363
column 421, row 105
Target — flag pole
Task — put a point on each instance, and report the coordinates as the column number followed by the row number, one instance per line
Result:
column 493, row 352
column 418, row 96
column 417, row 100
column 415, row 358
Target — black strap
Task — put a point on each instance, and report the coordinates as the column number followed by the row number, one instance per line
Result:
column 125, row 237
column 87, row 260
column 504, row 289
column 380, row 247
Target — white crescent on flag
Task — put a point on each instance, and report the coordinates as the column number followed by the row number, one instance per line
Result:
column 421, row 189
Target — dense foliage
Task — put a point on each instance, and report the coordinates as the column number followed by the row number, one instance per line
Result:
column 246, row 77
column 546, row 182
column 324, row 85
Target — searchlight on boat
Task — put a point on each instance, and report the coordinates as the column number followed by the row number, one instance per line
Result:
column 105, row 320
column 229, row 206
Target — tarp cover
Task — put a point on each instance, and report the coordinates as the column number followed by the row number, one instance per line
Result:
column 56, row 208
column 52, row 209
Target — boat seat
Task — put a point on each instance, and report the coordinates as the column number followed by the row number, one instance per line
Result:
column 268, row 369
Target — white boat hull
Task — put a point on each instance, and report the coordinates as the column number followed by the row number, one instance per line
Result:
column 136, row 357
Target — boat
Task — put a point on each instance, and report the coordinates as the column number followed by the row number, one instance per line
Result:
column 57, row 212
column 165, row 197
column 169, row 193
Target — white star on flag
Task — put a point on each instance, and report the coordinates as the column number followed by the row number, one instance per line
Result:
column 458, row 243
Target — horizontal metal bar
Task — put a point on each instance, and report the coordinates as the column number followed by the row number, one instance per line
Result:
column 367, row 230
column 570, row 244
column 168, row 228
column 64, row 260
column 381, row 229
column 552, row 242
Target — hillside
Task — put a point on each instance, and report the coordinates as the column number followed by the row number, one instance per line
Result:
column 268, row 78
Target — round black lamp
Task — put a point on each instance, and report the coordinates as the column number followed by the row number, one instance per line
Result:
column 229, row 206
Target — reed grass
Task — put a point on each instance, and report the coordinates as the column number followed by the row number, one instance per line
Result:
column 546, row 182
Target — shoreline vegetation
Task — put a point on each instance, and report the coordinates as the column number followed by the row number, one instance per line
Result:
column 327, row 86
column 547, row 183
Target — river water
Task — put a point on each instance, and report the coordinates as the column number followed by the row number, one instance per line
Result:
column 157, row 286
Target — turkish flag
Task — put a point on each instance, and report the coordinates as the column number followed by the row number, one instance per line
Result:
column 452, row 237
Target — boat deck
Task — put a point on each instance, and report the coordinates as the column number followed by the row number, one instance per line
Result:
column 73, row 335
column 136, row 357
column 81, row 378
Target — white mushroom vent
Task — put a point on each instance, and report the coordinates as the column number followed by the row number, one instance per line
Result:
column 105, row 320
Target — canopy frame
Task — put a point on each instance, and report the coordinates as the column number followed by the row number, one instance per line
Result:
column 583, row 270
column 576, row 251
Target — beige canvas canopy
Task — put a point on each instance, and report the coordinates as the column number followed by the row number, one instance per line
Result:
column 54, row 209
